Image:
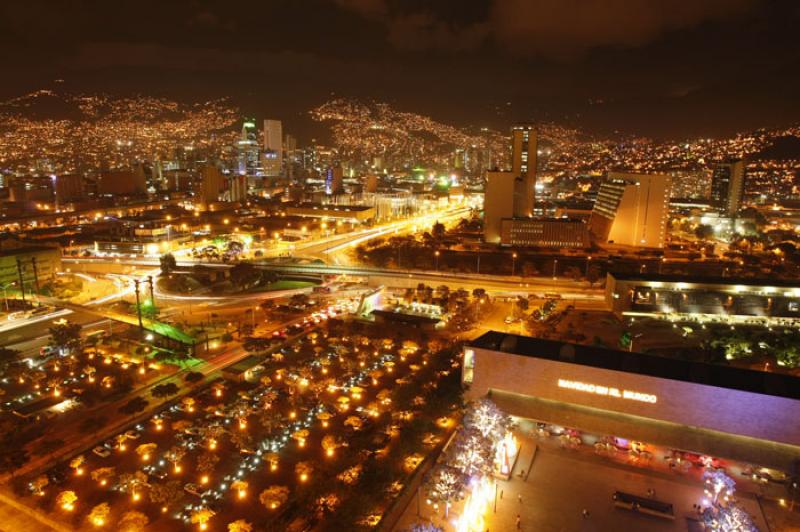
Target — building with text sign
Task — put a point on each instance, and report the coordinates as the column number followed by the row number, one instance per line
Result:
column 719, row 411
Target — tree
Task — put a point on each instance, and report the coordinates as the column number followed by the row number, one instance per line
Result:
column 240, row 487
column 445, row 484
column 487, row 418
column 194, row 377
column 165, row 390
column 201, row 516
column 168, row 263
column 132, row 482
column 146, row 450
column 168, row 493
column 274, row 496
column 240, row 525
column 133, row 522
column 723, row 513
column 206, row 462
column 65, row 336
column 103, row 475
column 133, row 406
column 39, row 484
column 66, row 500
column 479, row 293
column 99, row 514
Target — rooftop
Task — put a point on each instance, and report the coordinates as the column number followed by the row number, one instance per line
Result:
column 733, row 281
column 775, row 384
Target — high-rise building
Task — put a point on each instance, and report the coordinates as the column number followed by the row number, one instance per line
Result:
column 509, row 194
column 334, row 183
column 247, row 150
column 273, row 148
column 237, row 188
column 68, row 188
column 727, row 187
column 632, row 210
column 524, row 146
column 211, row 184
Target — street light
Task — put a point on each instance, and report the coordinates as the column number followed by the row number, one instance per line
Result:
column 588, row 260
column 555, row 266
column 436, row 255
column 513, row 263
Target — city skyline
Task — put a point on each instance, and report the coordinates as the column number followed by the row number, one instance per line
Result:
column 656, row 78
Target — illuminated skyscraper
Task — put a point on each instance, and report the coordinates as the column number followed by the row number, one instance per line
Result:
column 632, row 210
column 727, row 187
column 509, row 194
column 247, row 150
column 524, row 145
column 273, row 148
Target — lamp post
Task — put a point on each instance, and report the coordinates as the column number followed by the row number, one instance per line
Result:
column 138, row 305
column 152, row 292
column 436, row 258
column 21, row 281
column 555, row 266
column 513, row 263
column 661, row 265
column 588, row 260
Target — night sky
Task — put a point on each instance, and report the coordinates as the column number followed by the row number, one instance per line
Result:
column 665, row 68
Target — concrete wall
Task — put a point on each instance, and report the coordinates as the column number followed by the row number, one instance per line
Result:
column 721, row 409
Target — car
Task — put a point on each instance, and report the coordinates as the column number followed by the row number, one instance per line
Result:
column 132, row 435
column 102, row 452
column 194, row 489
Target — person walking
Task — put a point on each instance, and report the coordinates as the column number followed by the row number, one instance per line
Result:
column 519, row 497
column 585, row 513
column 519, row 523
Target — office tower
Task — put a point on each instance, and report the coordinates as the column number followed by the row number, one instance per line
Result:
column 498, row 203
column 334, row 180
column 632, row 210
column 68, row 188
column 727, row 187
column 524, row 144
column 211, row 184
column 237, row 188
column 247, row 150
column 273, row 148
column 509, row 194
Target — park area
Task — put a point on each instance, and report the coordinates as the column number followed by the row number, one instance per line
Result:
column 326, row 433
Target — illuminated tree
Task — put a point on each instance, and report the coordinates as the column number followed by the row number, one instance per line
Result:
column 487, row 418
column 132, row 482
column 240, row 487
column 303, row 470
column 274, row 496
column 77, row 464
column 354, row 421
column 99, row 514
column 103, row 475
column 240, row 525
column 133, row 522
column 723, row 514
column 470, row 452
column 350, row 475
column 445, row 484
column 39, row 484
column 146, row 450
column 202, row 516
column 175, row 454
column 66, row 500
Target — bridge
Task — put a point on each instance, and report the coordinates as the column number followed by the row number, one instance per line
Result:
column 161, row 329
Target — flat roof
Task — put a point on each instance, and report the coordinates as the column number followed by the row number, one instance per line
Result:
column 744, row 281
column 27, row 249
column 720, row 376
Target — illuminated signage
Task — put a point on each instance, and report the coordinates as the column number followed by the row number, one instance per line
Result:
column 607, row 391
